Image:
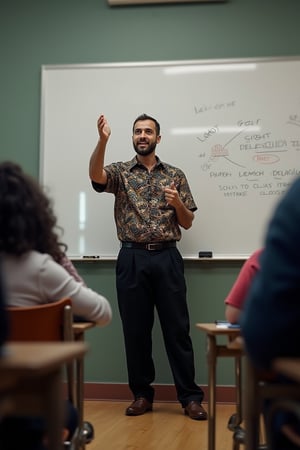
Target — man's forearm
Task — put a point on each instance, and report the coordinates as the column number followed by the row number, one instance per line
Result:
column 96, row 165
column 185, row 216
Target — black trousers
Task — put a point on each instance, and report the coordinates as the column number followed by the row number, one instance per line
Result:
column 147, row 280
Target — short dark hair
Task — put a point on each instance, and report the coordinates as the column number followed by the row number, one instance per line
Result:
column 146, row 117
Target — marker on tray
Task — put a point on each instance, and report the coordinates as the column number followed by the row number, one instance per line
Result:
column 91, row 257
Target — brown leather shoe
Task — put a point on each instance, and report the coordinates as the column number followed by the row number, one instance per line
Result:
column 138, row 407
column 195, row 411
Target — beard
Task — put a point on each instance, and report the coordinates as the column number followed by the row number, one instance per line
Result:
column 146, row 150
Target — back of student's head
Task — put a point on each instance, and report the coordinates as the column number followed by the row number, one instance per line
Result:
column 27, row 221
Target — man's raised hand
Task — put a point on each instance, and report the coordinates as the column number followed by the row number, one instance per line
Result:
column 103, row 128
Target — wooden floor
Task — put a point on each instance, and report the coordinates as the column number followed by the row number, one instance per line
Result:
column 166, row 428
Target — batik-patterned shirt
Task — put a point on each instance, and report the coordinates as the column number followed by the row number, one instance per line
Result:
column 141, row 211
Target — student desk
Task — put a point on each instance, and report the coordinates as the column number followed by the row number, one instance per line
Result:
column 31, row 381
column 216, row 349
column 79, row 329
column 261, row 386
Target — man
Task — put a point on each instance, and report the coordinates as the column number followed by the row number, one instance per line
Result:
column 152, row 201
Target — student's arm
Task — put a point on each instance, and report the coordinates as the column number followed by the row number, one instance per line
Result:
column 69, row 266
column 56, row 283
column 96, row 167
column 232, row 314
column 237, row 295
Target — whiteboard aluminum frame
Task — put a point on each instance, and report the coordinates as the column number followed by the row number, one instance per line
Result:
column 178, row 63
column 156, row 2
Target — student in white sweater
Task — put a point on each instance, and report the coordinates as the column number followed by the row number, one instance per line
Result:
column 35, row 266
column 36, row 270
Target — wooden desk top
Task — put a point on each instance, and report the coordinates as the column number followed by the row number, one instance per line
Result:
column 25, row 358
column 212, row 329
column 81, row 327
column 289, row 367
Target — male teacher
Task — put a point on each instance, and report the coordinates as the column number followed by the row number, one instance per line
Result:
column 152, row 201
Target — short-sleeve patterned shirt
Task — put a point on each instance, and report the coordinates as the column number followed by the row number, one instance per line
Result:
column 141, row 212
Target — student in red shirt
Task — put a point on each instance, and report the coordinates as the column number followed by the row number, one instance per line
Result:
column 235, row 299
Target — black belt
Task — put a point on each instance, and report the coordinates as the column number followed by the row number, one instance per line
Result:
column 149, row 245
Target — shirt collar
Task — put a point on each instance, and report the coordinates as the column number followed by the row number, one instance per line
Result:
column 134, row 162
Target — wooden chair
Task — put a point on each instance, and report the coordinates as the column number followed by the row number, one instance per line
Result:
column 259, row 387
column 46, row 323
column 236, row 421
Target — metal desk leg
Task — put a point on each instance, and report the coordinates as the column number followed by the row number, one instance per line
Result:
column 211, row 361
column 252, row 408
column 52, row 388
column 79, row 337
column 238, row 381
column 238, row 438
column 80, row 394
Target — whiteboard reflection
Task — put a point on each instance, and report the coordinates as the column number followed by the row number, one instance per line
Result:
column 196, row 130
column 82, row 222
column 186, row 69
column 82, row 210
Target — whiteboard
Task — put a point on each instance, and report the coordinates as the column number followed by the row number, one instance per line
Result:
column 233, row 127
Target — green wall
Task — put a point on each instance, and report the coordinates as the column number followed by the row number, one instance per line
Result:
column 208, row 283
column 40, row 32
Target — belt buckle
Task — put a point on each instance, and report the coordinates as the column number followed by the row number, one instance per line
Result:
column 152, row 246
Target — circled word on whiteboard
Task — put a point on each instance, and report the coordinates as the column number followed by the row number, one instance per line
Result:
column 266, row 158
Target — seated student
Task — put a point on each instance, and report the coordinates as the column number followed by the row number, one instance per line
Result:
column 235, row 299
column 35, row 265
column 271, row 316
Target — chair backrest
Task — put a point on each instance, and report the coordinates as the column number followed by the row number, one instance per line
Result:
column 47, row 322
column 44, row 323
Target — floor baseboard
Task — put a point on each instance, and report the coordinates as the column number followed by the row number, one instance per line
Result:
column 163, row 392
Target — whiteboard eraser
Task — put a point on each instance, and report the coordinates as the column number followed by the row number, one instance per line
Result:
column 205, row 254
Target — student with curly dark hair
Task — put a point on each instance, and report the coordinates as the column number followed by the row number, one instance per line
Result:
column 33, row 256
column 36, row 270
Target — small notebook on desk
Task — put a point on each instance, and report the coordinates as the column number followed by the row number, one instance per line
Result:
column 225, row 324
